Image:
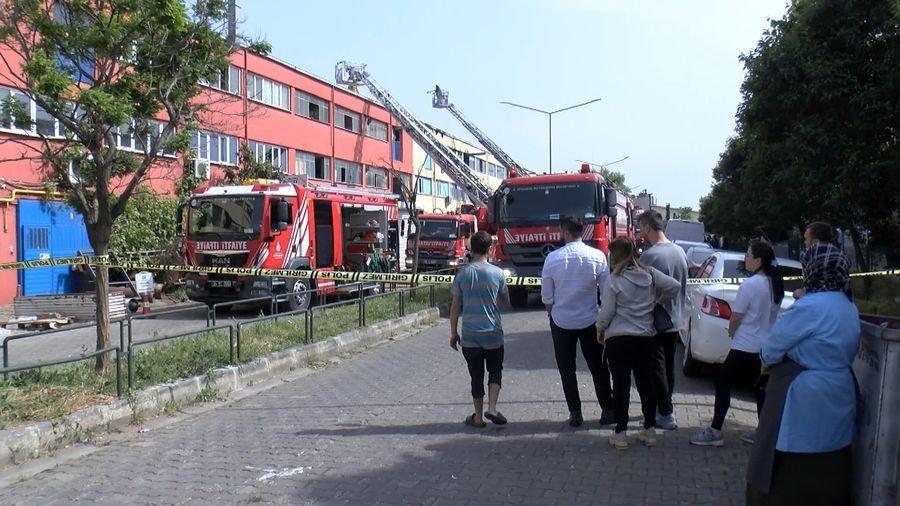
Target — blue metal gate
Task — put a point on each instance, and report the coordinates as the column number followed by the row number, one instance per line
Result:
column 50, row 230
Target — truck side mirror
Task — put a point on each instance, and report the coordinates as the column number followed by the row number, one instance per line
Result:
column 611, row 197
column 281, row 215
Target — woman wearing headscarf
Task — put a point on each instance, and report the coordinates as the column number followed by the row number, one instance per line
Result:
column 802, row 449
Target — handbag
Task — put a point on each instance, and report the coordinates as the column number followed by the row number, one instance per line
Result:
column 662, row 322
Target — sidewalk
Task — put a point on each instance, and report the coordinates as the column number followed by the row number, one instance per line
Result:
column 386, row 427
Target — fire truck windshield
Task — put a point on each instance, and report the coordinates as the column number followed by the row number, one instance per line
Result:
column 438, row 229
column 226, row 217
column 544, row 203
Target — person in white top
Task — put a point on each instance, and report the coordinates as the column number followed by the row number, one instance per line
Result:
column 571, row 280
column 753, row 313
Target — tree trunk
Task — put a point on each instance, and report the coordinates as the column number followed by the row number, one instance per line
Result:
column 862, row 262
column 99, row 235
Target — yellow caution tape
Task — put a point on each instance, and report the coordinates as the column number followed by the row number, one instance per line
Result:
column 380, row 277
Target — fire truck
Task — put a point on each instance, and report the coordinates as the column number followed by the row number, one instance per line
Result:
column 275, row 225
column 526, row 209
column 443, row 241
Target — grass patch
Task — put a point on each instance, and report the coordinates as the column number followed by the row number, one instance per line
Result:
column 207, row 395
column 877, row 295
column 54, row 392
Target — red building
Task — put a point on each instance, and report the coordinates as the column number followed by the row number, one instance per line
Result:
column 300, row 123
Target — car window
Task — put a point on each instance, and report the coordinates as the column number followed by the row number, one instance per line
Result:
column 698, row 255
column 786, row 272
column 735, row 269
column 707, row 267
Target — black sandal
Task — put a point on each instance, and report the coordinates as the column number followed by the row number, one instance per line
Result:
column 497, row 418
column 470, row 421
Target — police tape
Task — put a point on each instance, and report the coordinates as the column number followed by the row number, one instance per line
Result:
column 348, row 276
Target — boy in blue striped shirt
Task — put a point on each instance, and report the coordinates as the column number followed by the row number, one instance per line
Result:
column 477, row 290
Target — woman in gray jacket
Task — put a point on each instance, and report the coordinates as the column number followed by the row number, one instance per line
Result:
column 625, row 326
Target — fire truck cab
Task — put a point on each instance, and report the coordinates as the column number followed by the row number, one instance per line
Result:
column 443, row 241
column 526, row 212
column 274, row 225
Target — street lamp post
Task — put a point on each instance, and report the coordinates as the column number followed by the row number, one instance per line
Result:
column 550, row 121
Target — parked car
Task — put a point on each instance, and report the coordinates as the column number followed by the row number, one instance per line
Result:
column 708, row 308
column 686, row 245
column 696, row 255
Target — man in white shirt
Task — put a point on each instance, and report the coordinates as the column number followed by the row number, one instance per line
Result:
column 570, row 281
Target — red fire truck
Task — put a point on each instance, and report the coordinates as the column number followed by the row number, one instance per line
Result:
column 273, row 225
column 527, row 209
column 443, row 241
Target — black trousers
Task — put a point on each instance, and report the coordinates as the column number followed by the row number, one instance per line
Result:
column 565, row 342
column 479, row 358
column 740, row 368
column 629, row 355
column 664, row 371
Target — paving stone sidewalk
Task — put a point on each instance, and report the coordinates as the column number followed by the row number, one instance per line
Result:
column 386, row 427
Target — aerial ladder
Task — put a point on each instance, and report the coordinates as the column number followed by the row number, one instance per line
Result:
column 441, row 100
column 479, row 193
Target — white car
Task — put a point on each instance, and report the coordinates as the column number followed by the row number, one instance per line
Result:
column 707, row 308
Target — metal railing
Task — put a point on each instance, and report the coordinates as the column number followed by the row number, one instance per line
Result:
column 235, row 329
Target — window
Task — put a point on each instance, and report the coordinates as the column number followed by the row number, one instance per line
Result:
column 376, row 129
column 311, row 107
column 44, row 123
column 400, row 181
column 348, row 120
column 480, row 165
column 347, row 172
column 455, row 192
column 397, row 147
column 78, row 67
column 268, row 92
column 7, row 120
column 376, row 177
column 215, row 147
column 423, row 186
column 313, row 165
column 225, row 80
column 427, row 164
column 443, row 189
column 276, row 156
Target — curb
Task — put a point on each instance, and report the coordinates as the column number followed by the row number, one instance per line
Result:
column 38, row 439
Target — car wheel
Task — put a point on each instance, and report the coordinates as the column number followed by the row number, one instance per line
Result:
column 690, row 366
column 298, row 302
column 518, row 297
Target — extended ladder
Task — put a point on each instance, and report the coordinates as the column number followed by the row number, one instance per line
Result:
column 441, row 100
column 450, row 163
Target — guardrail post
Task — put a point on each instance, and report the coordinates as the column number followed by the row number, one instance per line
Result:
column 213, row 312
column 312, row 330
column 402, row 305
column 130, row 365
column 274, row 302
column 118, row 372
column 5, row 357
column 306, row 325
column 231, row 344
column 431, row 295
column 209, row 317
column 362, row 308
column 121, row 334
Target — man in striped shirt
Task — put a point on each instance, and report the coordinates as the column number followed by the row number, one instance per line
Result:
column 477, row 289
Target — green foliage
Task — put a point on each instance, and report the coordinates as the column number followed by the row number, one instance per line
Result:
column 250, row 168
column 817, row 127
column 260, row 47
column 147, row 224
column 616, row 178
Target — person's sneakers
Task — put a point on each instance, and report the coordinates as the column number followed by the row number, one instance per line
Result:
column 575, row 419
column 666, row 422
column 748, row 439
column 607, row 417
column 618, row 441
column 709, row 437
column 648, row 436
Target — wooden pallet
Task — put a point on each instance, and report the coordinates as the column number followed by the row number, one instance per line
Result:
column 40, row 322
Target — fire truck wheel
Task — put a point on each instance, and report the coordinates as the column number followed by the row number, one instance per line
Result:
column 518, row 296
column 298, row 302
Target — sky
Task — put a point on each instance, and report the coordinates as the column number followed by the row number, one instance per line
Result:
column 667, row 72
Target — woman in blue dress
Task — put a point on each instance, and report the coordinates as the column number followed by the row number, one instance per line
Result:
column 802, row 449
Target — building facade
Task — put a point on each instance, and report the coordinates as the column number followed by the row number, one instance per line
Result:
column 435, row 190
column 300, row 123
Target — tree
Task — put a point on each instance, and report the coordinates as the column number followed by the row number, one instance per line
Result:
column 817, row 135
column 251, row 168
column 616, row 178
column 107, row 69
